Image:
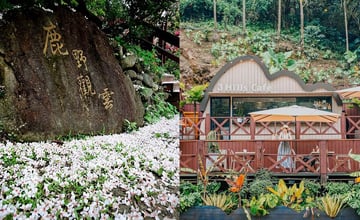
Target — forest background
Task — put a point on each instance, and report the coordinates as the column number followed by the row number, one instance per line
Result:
column 319, row 40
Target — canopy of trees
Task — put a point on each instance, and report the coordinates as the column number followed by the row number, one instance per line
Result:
column 106, row 12
column 327, row 15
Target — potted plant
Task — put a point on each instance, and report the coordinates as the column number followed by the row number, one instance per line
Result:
column 214, row 152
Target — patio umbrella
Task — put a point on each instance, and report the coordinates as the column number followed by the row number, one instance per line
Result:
column 294, row 113
column 349, row 93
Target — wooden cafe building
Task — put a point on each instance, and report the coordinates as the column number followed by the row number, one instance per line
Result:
column 319, row 148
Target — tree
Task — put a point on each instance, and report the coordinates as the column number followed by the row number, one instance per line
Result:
column 302, row 25
column 279, row 19
column 195, row 94
column 215, row 22
column 346, row 25
column 243, row 16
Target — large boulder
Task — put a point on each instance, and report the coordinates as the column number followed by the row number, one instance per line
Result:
column 59, row 76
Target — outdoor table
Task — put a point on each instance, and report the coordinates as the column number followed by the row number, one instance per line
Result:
column 243, row 159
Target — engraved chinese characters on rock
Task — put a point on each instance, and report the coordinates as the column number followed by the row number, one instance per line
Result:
column 85, row 86
column 106, row 97
column 80, row 58
column 53, row 38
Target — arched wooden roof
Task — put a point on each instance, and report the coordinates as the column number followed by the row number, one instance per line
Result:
column 270, row 78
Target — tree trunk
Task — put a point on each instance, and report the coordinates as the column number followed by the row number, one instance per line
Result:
column 215, row 21
column 243, row 16
column 301, row 25
column 346, row 27
column 279, row 20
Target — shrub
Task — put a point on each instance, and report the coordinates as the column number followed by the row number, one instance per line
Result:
column 259, row 187
column 353, row 199
column 312, row 187
column 337, row 188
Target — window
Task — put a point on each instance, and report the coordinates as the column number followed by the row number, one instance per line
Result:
column 242, row 106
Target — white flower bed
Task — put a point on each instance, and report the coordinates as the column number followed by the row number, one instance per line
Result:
column 122, row 176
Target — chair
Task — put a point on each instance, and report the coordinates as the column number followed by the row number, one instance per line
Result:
column 341, row 160
column 241, row 158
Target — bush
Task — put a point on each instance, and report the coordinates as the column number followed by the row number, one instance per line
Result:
column 337, row 188
column 353, row 199
column 258, row 187
column 312, row 188
column 263, row 179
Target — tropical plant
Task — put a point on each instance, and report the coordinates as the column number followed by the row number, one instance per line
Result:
column 259, row 186
column 190, row 195
column 259, row 206
column 235, row 186
column 332, row 204
column 353, row 199
column 337, row 188
column 293, row 197
column 222, row 200
column 203, row 173
column 312, row 188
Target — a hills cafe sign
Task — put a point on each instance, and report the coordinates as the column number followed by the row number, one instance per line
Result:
column 243, row 88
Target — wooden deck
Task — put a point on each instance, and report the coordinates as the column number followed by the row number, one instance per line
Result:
column 320, row 149
column 315, row 159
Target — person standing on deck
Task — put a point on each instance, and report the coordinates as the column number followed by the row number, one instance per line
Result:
column 284, row 149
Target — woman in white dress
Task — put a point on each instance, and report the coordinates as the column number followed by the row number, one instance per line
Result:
column 284, row 149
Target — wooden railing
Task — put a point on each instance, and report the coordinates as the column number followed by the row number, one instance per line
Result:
column 235, row 128
column 317, row 157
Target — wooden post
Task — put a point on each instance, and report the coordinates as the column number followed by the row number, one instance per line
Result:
column 343, row 125
column 252, row 128
column 323, row 162
column 207, row 124
column 259, row 156
column 297, row 130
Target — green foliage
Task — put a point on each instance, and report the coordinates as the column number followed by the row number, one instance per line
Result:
column 263, row 179
column 353, row 199
column 258, row 187
column 260, row 205
column 158, row 108
column 162, row 135
column 213, row 146
column 195, row 94
column 72, row 136
column 278, row 61
column 190, row 194
column 147, row 59
column 337, row 188
column 198, row 37
column 129, row 126
column 312, row 188
column 293, row 197
column 350, row 57
column 9, row 159
column 173, row 68
column 313, row 36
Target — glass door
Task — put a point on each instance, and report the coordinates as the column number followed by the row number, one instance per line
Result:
column 220, row 111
